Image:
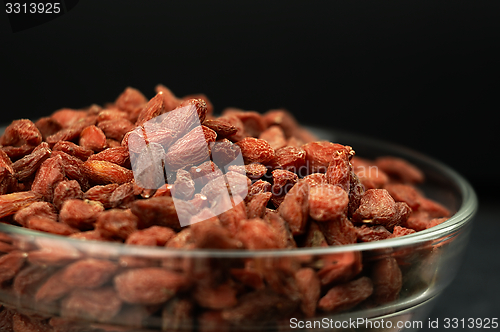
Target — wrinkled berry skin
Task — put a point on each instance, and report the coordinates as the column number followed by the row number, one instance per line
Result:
column 172, row 187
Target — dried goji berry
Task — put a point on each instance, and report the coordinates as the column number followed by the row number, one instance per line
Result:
column 400, row 169
column 105, row 172
column 233, row 182
column 401, row 231
column 252, row 121
column 154, row 133
column 275, row 136
column 204, row 173
column 290, row 158
column 191, row 149
column 259, row 307
column 387, row 280
column 6, row 169
column 295, row 207
column 101, row 194
column 88, row 273
column 149, row 285
column 314, row 236
column 47, row 177
column 11, row 264
column 112, row 143
column 256, row 207
column 130, row 100
column 183, row 239
column 222, row 127
column 116, row 129
column 210, row 106
column 327, row 202
column 258, row 234
column 151, row 110
column 236, row 123
column 67, row 117
column 255, row 150
column 152, row 236
column 41, row 209
column 73, row 150
column 177, row 315
column 356, row 192
column 346, row 296
column 249, row 275
column 80, row 214
column 404, row 193
column 66, row 190
column 283, row 119
column 373, row 233
column 9, row 184
column 219, row 297
column 210, row 233
column 53, row 289
column 224, row 152
column 94, row 304
column 188, row 115
column 47, row 126
column 259, row 186
column 93, row 138
column 315, row 178
column 169, row 99
column 23, row 323
column 122, row 196
column 48, row 225
column 377, row 207
column 305, row 135
column 338, row 231
column 21, row 132
column 339, row 170
column 282, row 229
column 149, row 167
column 29, row 164
column 283, row 181
column 403, row 212
column 29, row 279
column 110, row 114
column 52, row 253
column 310, row 288
column 433, row 208
column 231, row 217
column 254, row 170
column 73, row 132
column 319, row 154
column 184, row 187
column 116, row 223
column 93, row 109
column 436, row 221
column 340, row 267
column 16, row 152
column 294, row 141
column 161, row 211
column 73, row 169
column 93, row 235
column 11, row 203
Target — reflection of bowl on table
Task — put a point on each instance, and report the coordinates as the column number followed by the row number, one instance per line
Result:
column 428, row 260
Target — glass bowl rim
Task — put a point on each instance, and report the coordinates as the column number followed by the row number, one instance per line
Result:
column 463, row 215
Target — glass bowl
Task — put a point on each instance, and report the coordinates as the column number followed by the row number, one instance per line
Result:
column 428, row 260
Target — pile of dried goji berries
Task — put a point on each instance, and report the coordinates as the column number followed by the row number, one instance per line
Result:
column 76, row 173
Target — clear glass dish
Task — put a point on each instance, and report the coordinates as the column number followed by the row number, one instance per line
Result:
column 428, row 260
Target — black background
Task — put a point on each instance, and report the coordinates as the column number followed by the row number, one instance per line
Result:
column 424, row 74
